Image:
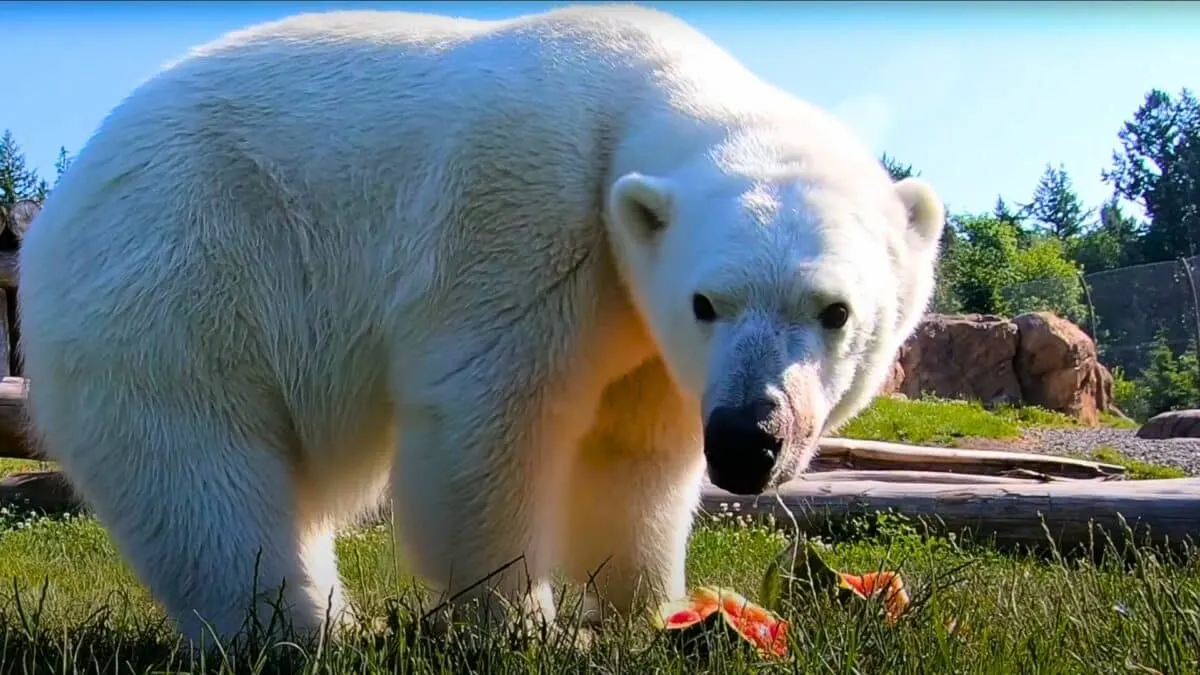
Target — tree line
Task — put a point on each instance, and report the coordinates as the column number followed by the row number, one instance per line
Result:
column 1054, row 234
column 1028, row 255
column 1093, row 263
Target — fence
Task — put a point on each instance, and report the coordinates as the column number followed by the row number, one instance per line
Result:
column 1125, row 310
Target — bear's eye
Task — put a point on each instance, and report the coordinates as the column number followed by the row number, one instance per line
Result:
column 834, row 316
column 703, row 308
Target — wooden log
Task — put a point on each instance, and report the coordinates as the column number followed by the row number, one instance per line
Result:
column 1009, row 515
column 45, row 491
column 846, row 453
column 9, row 268
column 14, row 439
column 939, row 477
column 14, row 332
column 5, row 342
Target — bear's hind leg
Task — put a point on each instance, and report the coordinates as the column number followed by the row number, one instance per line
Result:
column 631, row 496
column 202, row 510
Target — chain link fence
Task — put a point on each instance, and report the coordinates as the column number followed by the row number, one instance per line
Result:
column 1125, row 310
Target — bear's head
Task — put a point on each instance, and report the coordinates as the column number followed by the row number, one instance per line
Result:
column 778, row 301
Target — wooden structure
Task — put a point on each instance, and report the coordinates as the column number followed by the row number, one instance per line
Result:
column 1014, row 498
column 1014, row 514
column 14, row 222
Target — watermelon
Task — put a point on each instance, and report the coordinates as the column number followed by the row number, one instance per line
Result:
column 709, row 608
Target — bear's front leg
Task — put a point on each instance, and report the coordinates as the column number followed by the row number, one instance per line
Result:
column 474, row 488
column 632, row 493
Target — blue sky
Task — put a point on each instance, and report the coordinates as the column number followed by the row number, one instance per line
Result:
column 978, row 96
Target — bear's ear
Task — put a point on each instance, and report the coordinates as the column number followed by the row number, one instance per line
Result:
column 926, row 213
column 640, row 203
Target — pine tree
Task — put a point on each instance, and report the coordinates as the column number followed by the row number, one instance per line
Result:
column 1056, row 208
column 897, row 170
column 1158, row 167
column 61, row 164
column 1002, row 212
column 17, row 181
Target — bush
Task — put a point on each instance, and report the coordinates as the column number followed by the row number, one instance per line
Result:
column 1169, row 382
column 991, row 266
column 1126, row 395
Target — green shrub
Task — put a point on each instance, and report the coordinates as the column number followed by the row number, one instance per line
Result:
column 1170, row 382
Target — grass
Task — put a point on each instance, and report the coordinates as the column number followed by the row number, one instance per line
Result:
column 1110, row 420
column 944, row 422
column 1135, row 469
column 11, row 466
column 70, row 605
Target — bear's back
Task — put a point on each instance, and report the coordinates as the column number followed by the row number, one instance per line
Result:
column 328, row 152
column 344, row 70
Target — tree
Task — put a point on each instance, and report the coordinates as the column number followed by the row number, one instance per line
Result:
column 945, row 298
column 989, row 270
column 1158, row 166
column 1047, row 280
column 1111, row 243
column 897, row 170
column 61, row 164
column 17, row 181
column 1005, row 214
column 981, row 262
column 1169, row 382
column 1056, row 208
column 1002, row 212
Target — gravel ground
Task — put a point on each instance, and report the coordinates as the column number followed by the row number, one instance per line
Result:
column 1181, row 452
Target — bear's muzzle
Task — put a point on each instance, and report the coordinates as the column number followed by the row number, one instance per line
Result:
column 741, row 446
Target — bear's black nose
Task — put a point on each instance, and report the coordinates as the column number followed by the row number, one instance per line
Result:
column 739, row 450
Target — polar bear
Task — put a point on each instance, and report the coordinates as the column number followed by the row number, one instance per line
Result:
column 531, row 279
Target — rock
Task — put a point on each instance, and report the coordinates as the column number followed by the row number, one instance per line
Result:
column 895, row 381
column 967, row 356
column 1173, row 424
column 18, row 217
column 1058, row 367
column 1035, row 359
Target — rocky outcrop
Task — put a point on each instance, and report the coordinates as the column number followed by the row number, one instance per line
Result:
column 1034, row 359
column 967, row 356
column 17, row 218
column 1173, row 424
column 1059, row 369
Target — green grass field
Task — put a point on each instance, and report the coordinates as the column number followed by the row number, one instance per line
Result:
column 68, row 604
column 939, row 422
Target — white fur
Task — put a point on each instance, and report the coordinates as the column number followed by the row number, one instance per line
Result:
column 341, row 246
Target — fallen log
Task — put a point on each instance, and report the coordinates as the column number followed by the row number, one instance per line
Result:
column 928, row 477
column 1026, row 515
column 14, row 441
column 5, row 339
column 1023, row 514
column 44, row 491
column 9, row 268
column 846, row 453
